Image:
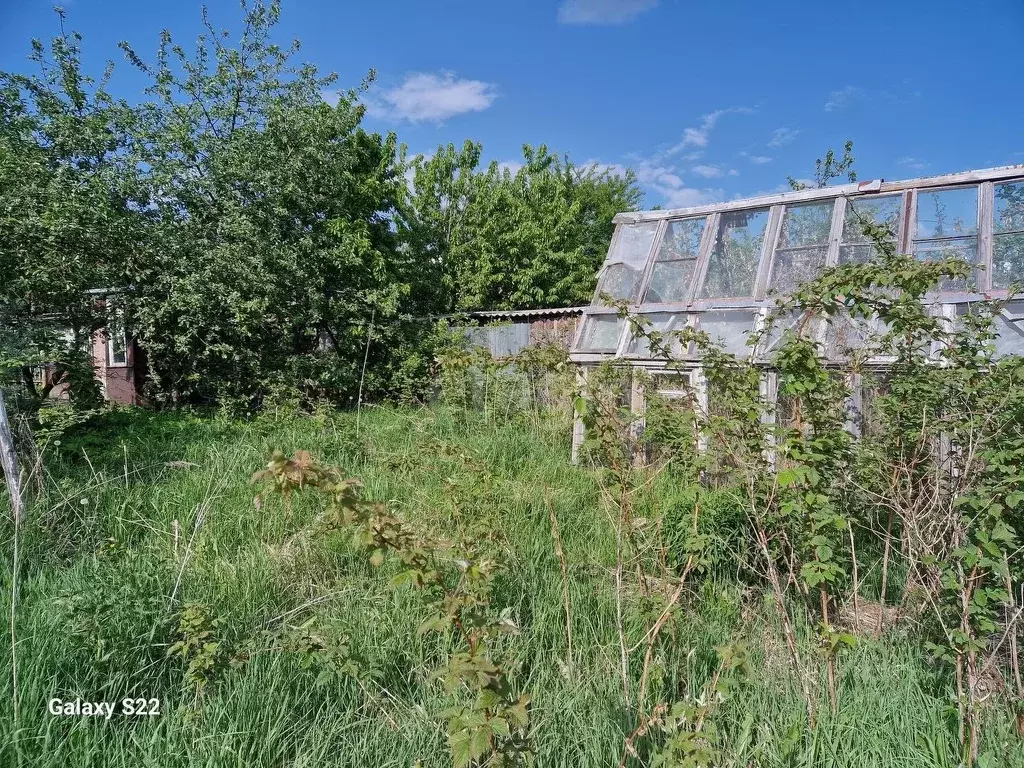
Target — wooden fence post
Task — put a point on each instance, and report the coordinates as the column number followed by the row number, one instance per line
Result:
column 578, row 430
column 9, row 461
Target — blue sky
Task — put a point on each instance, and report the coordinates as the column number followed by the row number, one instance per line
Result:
column 705, row 100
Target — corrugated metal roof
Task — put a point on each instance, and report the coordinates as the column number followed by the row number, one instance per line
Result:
column 526, row 313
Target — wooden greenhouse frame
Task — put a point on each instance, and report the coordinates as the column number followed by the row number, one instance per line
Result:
column 640, row 243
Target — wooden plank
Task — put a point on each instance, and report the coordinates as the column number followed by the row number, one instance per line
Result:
column 9, row 460
column 986, row 205
column 835, row 233
column 578, row 428
column 707, row 244
column 769, row 242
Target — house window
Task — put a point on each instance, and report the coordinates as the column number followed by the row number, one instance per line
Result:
column 627, row 261
column 855, row 246
column 1008, row 235
column 947, row 226
column 39, row 376
column 117, row 340
column 803, row 246
column 676, row 261
column 732, row 269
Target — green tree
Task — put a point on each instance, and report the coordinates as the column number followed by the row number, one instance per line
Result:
column 65, row 218
column 273, row 240
column 531, row 238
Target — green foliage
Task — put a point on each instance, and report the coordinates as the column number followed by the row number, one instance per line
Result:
column 199, row 645
column 261, row 243
column 722, row 535
column 270, row 573
column 491, row 729
column 691, row 739
column 278, row 207
column 828, row 168
column 535, row 237
column 65, row 223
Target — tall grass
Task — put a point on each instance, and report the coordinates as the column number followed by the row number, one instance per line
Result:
column 142, row 503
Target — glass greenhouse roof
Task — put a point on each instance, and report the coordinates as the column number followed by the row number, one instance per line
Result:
column 722, row 267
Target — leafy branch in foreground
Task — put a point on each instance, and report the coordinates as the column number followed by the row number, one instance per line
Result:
column 491, row 727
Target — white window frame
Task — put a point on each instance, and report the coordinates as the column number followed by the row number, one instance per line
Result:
column 982, row 244
column 116, row 321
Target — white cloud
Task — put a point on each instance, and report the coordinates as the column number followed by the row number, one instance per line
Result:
column 651, row 174
column 602, row 11
column 782, row 136
column 664, row 182
column 760, row 159
column 842, row 97
column 913, row 163
column 708, row 171
column 698, row 136
column 429, row 97
column 903, row 93
column 733, row 172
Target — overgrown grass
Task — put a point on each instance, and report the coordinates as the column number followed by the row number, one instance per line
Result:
column 142, row 504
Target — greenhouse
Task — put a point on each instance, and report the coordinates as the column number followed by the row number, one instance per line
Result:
column 721, row 268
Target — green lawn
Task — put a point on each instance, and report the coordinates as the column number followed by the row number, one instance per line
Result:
column 118, row 530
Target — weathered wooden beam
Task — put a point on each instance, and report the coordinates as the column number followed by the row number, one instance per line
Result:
column 845, row 190
column 9, row 461
column 578, row 428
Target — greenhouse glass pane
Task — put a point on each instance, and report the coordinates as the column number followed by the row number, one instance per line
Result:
column 1009, row 207
column 806, row 225
column 1009, row 330
column 732, row 269
column 844, row 334
column 633, row 244
column 1010, row 340
column 791, row 268
column 620, row 281
column 730, row 329
column 682, row 240
column 936, row 250
column 792, row 323
column 626, row 262
column 948, row 213
column 670, row 281
column 600, row 333
column 856, row 254
column 673, row 385
column 661, row 322
column 1007, row 259
column 883, row 211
